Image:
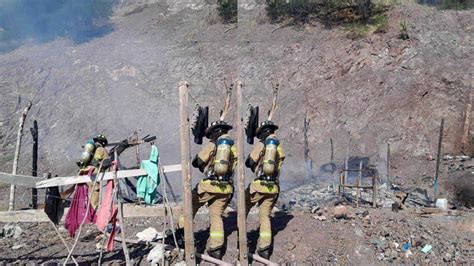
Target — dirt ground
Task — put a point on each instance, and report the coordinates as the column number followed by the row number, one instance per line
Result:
column 369, row 238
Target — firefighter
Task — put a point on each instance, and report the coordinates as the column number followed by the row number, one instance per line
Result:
column 93, row 156
column 216, row 161
column 265, row 161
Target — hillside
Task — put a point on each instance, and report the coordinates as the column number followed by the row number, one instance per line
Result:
column 378, row 87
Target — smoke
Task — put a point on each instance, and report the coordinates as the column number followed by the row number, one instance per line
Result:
column 23, row 21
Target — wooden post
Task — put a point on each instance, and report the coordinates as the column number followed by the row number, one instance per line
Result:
column 241, row 208
column 34, row 164
column 438, row 159
column 374, row 191
column 345, row 172
column 11, row 204
column 186, row 174
column 120, row 211
column 465, row 142
column 359, row 177
column 389, row 185
column 307, row 160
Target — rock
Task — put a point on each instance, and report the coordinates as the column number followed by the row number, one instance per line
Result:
column 320, row 218
column 16, row 247
column 358, row 232
column 9, row 231
column 341, row 211
column 150, row 234
column 447, row 257
column 156, row 255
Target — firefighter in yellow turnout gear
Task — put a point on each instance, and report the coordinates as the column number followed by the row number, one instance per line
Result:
column 265, row 161
column 217, row 161
column 92, row 157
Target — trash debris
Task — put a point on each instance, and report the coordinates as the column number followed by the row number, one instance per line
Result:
column 426, row 249
column 11, row 231
column 442, row 204
column 406, row 247
column 16, row 247
column 315, row 209
column 156, row 255
column 148, row 235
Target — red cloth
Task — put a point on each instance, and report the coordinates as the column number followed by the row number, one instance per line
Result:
column 79, row 206
column 110, row 241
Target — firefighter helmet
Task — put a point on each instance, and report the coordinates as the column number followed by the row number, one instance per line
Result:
column 217, row 127
column 266, row 128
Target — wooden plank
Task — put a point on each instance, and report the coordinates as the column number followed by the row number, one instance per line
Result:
column 130, row 210
column 38, row 182
column 172, row 168
column 186, row 174
column 70, row 180
column 241, row 211
column 19, row 180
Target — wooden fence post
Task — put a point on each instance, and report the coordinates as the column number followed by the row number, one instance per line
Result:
column 241, row 208
column 186, row 174
column 34, row 163
column 438, row 159
column 11, row 204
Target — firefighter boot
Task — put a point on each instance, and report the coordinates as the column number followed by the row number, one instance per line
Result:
column 179, row 233
column 216, row 253
column 265, row 252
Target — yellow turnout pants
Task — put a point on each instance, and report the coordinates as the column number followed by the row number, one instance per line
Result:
column 217, row 203
column 266, row 201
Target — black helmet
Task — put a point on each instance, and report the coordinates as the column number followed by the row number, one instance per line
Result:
column 217, row 126
column 101, row 139
column 266, row 128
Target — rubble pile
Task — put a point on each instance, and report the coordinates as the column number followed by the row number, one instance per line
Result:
column 414, row 239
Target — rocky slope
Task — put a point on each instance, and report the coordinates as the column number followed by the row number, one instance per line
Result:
column 375, row 90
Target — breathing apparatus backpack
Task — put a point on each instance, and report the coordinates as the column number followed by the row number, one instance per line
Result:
column 87, row 154
column 222, row 163
column 269, row 163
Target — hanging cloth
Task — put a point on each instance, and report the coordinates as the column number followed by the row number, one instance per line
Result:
column 146, row 185
column 80, row 207
column 107, row 207
column 53, row 204
column 108, row 213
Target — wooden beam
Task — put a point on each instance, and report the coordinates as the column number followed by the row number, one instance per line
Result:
column 130, row 210
column 19, row 180
column 241, row 208
column 38, row 182
column 70, row 180
column 186, row 174
column 172, row 168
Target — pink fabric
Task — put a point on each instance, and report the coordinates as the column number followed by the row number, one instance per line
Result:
column 107, row 213
column 79, row 206
column 107, row 207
